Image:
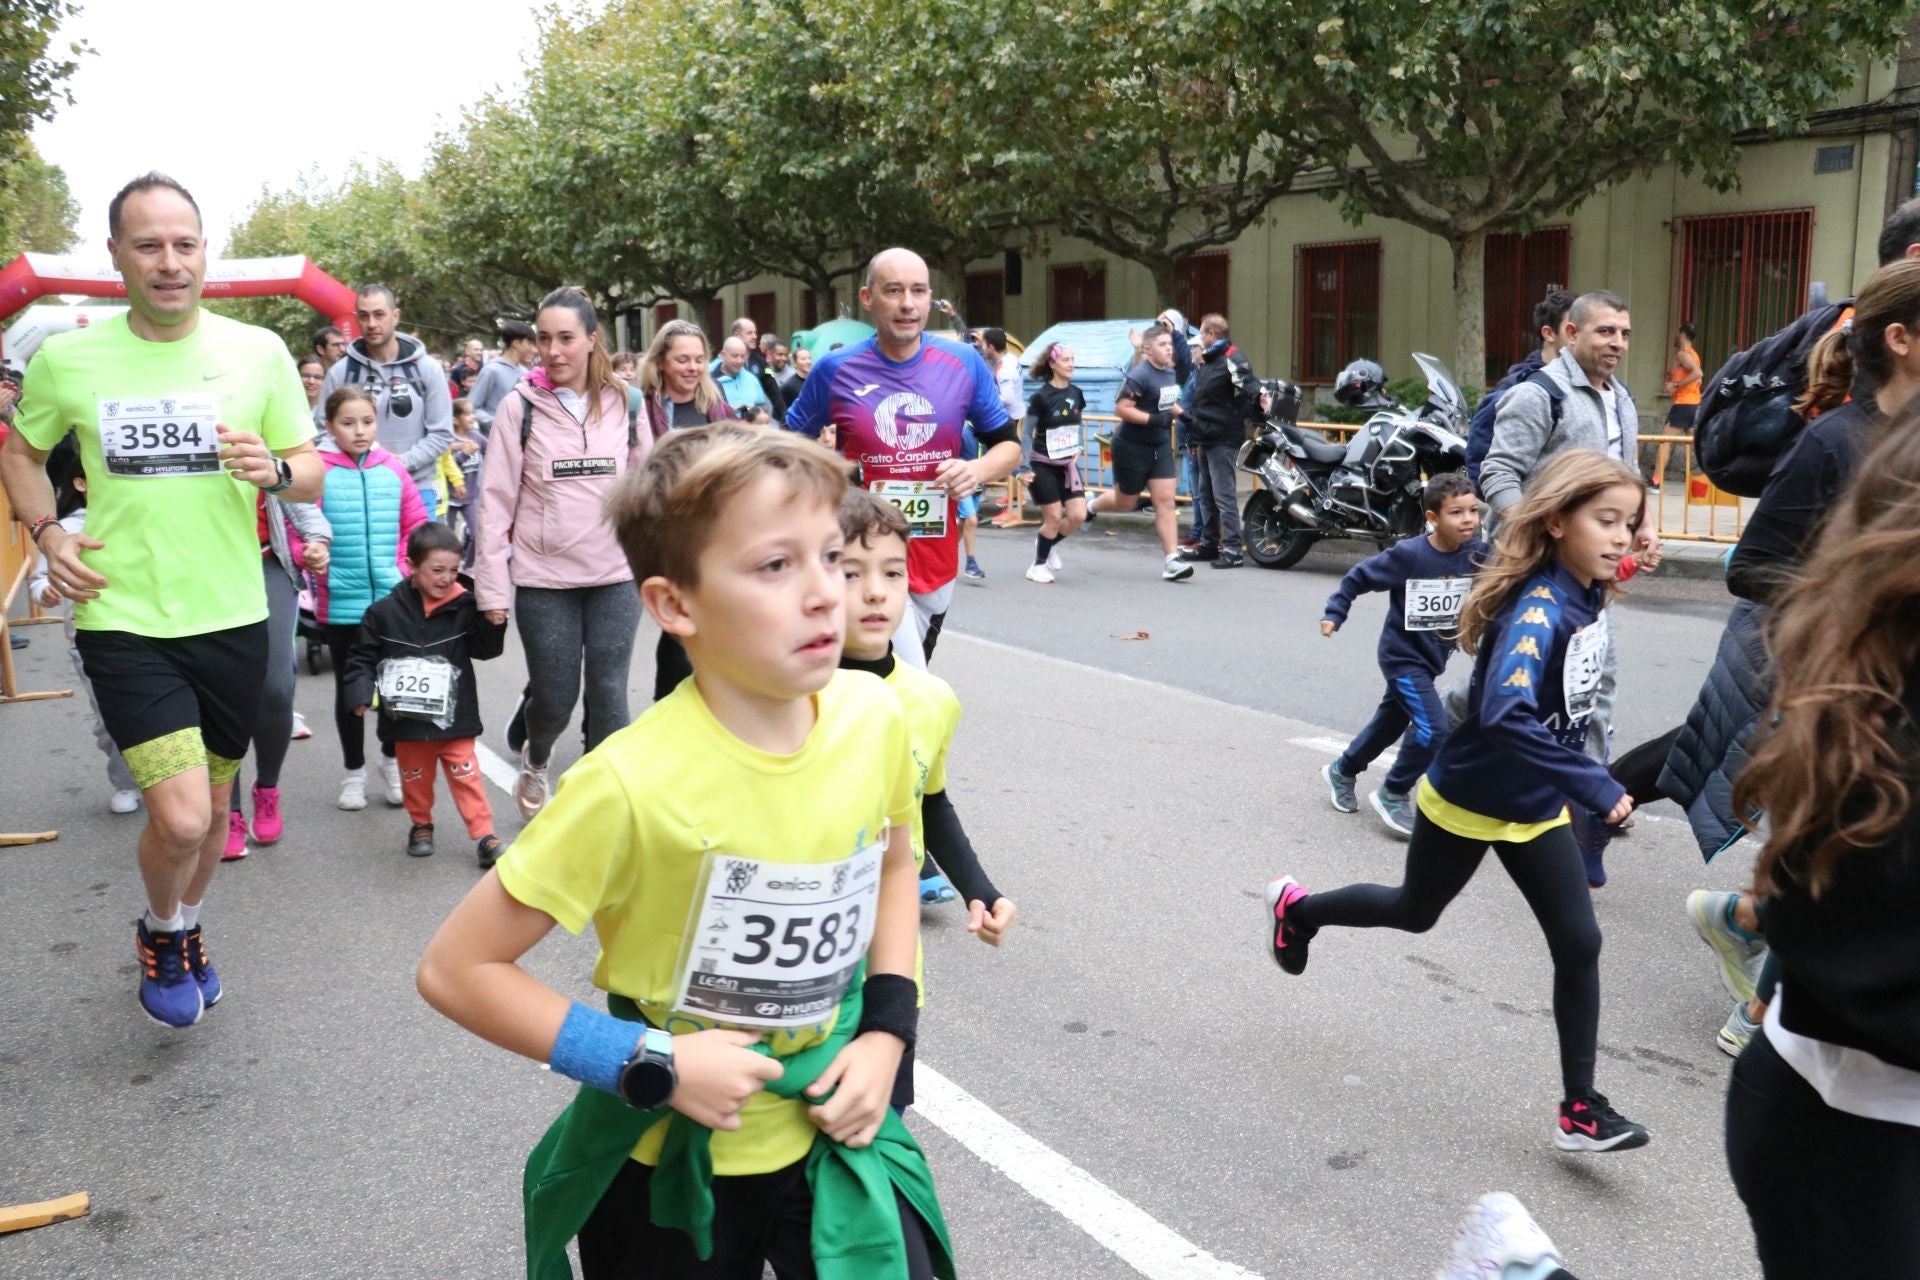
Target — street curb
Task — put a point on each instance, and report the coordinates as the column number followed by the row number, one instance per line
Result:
column 1689, row 561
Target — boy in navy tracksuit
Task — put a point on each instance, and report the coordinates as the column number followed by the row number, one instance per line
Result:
column 1427, row 579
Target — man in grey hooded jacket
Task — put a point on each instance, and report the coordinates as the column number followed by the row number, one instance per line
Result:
column 1589, row 407
column 408, row 387
column 1593, row 408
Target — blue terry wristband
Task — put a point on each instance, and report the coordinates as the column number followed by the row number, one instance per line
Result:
column 592, row 1047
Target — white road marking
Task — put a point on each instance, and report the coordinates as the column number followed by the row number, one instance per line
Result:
column 1322, row 740
column 1337, row 745
column 1119, row 1225
column 501, row 772
column 1115, row 1223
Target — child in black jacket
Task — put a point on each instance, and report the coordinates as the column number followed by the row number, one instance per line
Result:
column 416, row 648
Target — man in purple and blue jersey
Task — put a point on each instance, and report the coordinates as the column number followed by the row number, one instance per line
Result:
column 895, row 404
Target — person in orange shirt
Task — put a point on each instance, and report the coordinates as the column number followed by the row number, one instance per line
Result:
column 1683, row 384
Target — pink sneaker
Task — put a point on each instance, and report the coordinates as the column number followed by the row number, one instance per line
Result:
column 236, row 837
column 266, row 814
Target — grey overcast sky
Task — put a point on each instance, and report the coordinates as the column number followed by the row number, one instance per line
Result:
column 228, row 95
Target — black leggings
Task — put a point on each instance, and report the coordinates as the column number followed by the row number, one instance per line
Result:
column 1550, row 875
column 352, row 728
column 1639, row 769
column 758, row 1219
column 1829, row 1193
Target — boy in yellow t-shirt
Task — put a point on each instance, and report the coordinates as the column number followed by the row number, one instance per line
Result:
column 738, row 850
column 874, row 560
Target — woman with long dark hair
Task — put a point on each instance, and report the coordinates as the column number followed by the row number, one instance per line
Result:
column 1861, row 374
column 1823, row 1113
column 561, row 440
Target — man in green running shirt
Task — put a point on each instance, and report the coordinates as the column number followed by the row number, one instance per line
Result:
column 184, row 420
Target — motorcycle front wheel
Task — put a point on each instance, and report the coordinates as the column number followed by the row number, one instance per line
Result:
column 1273, row 540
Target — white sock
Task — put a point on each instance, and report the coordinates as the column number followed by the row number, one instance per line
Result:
column 156, row 925
column 360, row 773
column 189, row 914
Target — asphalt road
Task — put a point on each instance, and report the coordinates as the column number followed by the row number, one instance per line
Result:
column 1132, row 795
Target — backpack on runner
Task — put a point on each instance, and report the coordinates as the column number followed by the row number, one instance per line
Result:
column 1746, row 419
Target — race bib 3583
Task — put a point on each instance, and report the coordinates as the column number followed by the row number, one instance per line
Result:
column 775, row 944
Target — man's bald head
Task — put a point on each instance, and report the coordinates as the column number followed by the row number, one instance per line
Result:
column 896, row 263
column 733, row 355
column 899, row 294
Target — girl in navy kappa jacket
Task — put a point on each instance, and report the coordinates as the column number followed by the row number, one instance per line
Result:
column 1505, row 776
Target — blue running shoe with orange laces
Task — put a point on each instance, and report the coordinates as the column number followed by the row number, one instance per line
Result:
column 168, row 993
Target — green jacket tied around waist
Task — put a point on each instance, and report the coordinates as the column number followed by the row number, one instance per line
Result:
column 856, row 1224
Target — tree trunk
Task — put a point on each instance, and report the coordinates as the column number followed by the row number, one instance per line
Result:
column 820, row 280
column 699, row 300
column 1470, row 308
column 1166, row 281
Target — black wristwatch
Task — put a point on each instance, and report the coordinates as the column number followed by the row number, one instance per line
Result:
column 285, row 469
column 648, row 1079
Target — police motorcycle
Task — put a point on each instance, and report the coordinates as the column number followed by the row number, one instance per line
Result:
column 1368, row 487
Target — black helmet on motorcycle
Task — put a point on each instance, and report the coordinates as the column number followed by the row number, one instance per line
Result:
column 1284, row 400
column 1360, row 384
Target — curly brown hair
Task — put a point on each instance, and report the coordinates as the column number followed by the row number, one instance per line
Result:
column 1832, row 775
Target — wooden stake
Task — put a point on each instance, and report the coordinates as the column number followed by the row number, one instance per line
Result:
column 23, row 1217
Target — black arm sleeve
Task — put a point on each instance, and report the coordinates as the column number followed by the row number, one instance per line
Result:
column 1009, row 434
column 948, row 846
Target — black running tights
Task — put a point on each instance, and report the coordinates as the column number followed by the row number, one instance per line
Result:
column 352, row 728
column 1550, row 875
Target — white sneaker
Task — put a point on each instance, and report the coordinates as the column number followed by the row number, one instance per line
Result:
column 390, row 778
column 1741, row 958
column 1177, row 570
column 1497, row 1233
column 124, row 801
column 1039, row 573
column 1053, row 559
column 353, row 791
column 1738, row 1033
column 530, row 789
column 300, row 729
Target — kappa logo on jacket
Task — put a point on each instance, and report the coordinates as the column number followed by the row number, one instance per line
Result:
column 1535, row 616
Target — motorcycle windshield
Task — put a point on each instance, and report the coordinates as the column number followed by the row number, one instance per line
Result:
column 1442, row 391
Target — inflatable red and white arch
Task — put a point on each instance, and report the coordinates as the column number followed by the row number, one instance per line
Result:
column 37, row 275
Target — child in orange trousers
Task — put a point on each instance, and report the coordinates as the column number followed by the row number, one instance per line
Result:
column 416, row 648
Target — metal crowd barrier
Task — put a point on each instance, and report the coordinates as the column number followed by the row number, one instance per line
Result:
column 1721, row 515
column 1096, row 472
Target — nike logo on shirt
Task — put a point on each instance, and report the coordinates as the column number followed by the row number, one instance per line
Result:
column 209, row 377
column 871, row 386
